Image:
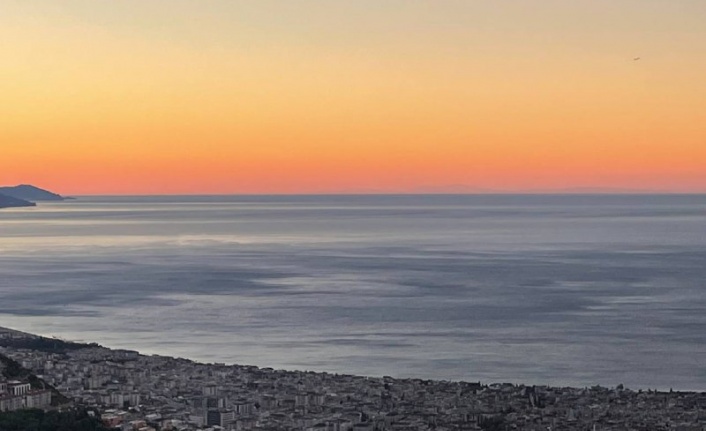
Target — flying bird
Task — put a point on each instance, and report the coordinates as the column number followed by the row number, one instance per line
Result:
column 636, row 58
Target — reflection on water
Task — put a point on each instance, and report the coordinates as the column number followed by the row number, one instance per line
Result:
column 573, row 290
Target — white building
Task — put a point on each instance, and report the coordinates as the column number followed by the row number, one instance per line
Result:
column 18, row 388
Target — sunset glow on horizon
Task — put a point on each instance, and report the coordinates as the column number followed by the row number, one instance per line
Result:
column 329, row 96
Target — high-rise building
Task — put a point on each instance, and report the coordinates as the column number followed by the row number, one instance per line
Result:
column 221, row 418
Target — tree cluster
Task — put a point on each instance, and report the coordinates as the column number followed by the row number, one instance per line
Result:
column 43, row 344
column 39, row 420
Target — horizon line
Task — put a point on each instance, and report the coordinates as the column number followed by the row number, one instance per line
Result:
column 402, row 193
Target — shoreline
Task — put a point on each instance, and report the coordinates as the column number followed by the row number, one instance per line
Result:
column 90, row 344
column 134, row 391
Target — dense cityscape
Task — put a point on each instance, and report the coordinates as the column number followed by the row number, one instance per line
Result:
column 130, row 391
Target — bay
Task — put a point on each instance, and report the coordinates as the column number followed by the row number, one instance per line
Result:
column 539, row 289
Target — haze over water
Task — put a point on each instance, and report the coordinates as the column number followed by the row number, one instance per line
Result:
column 562, row 290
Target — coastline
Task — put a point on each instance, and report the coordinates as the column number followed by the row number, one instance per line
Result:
column 163, row 392
column 4, row 332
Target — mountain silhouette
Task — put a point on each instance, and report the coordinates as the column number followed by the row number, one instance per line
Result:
column 30, row 193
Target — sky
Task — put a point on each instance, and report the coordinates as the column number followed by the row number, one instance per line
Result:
column 352, row 96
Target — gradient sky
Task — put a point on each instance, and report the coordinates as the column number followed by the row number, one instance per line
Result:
column 312, row 96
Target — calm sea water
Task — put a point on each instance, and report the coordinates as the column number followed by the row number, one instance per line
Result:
column 562, row 290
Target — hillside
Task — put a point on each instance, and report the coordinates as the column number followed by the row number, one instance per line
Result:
column 30, row 193
column 11, row 370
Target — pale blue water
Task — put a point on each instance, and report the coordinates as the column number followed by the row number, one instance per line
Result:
column 562, row 290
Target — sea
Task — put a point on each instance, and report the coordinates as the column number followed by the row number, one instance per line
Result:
column 562, row 290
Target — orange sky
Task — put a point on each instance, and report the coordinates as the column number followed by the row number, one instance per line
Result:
column 316, row 96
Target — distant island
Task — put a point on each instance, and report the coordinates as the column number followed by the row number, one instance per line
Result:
column 30, row 193
column 11, row 202
column 25, row 195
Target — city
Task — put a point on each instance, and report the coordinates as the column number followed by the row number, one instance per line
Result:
column 144, row 393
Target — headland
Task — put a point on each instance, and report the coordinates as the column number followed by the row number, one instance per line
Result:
column 25, row 195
